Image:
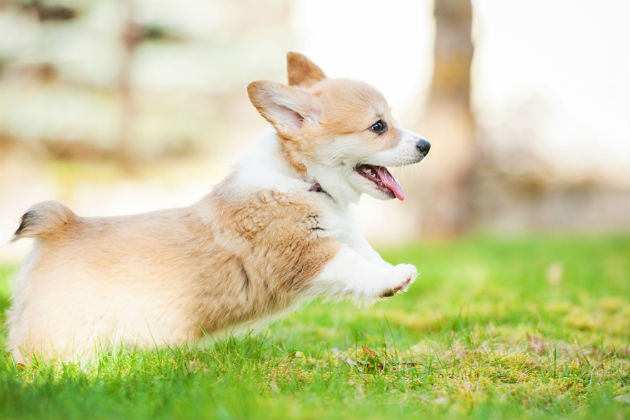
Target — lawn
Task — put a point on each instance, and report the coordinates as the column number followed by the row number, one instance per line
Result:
column 532, row 327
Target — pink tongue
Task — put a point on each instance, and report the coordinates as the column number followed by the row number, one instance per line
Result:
column 390, row 182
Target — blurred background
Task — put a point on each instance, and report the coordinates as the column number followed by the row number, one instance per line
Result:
column 125, row 106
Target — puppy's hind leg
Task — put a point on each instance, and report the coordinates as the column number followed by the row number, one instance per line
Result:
column 350, row 274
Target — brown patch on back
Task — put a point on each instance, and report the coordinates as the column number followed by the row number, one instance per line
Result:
column 169, row 276
column 280, row 236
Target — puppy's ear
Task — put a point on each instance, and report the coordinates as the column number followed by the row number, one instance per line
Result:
column 302, row 71
column 288, row 109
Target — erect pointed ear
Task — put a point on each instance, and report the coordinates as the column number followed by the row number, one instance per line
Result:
column 288, row 109
column 302, row 71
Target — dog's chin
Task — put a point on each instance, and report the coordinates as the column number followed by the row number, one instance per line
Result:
column 364, row 186
column 381, row 195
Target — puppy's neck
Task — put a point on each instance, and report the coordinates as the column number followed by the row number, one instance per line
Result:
column 334, row 183
column 268, row 168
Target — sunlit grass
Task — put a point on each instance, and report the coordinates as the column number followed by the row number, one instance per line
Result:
column 493, row 328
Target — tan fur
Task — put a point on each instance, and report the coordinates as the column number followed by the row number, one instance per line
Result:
column 302, row 71
column 47, row 220
column 166, row 277
column 240, row 254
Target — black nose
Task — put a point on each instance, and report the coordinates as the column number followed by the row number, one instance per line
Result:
column 423, row 146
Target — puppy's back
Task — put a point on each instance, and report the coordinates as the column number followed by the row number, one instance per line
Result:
column 90, row 282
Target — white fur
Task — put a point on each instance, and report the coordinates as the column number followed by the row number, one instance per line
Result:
column 267, row 169
column 337, row 160
column 350, row 274
column 357, row 270
column 405, row 153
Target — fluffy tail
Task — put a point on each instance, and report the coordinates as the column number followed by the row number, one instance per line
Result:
column 44, row 220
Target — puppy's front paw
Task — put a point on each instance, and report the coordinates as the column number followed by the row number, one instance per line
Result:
column 402, row 276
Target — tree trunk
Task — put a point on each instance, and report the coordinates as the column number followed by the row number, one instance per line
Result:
column 449, row 124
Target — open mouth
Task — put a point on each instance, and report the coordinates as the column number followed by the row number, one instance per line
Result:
column 383, row 180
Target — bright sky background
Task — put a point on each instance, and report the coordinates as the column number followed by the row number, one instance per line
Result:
column 388, row 44
column 553, row 74
column 558, row 70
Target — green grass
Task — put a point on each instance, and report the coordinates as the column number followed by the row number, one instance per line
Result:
column 535, row 327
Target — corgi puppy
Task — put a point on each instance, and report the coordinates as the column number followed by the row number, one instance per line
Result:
column 276, row 231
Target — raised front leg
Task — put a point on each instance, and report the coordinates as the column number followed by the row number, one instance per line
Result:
column 350, row 274
column 354, row 238
column 363, row 247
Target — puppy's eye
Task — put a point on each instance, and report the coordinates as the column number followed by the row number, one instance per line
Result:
column 379, row 127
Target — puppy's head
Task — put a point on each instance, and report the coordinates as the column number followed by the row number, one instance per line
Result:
column 337, row 132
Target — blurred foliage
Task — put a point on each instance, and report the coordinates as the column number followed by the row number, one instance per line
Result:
column 45, row 11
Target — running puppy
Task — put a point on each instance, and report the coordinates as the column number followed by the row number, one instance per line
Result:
column 277, row 230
